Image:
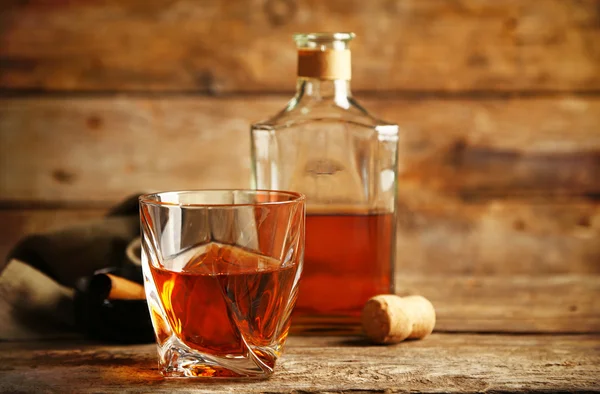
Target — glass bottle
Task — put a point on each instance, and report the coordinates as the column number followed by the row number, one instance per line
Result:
column 325, row 145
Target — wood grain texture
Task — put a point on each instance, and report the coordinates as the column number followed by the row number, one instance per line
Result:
column 105, row 149
column 486, row 187
column 239, row 46
column 536, row 303
column 439, row 363
column 100, row 149
column 498, row 237
column 511, row 286
column 448, row 238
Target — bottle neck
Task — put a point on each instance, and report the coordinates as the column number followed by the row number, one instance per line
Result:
column 336, row 91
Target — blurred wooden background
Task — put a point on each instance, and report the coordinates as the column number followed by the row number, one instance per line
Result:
column 499, row 102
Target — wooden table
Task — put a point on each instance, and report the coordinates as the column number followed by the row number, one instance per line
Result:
column 443, row 362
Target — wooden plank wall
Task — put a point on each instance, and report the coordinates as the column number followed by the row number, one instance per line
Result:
column 499, row 103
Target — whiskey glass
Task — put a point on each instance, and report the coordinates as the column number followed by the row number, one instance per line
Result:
column 221, row 271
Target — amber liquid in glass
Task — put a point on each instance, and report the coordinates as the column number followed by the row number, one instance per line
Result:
column 224, row 300
column 346, row 262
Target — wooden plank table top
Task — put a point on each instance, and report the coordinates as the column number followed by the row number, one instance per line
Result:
column 443, row 362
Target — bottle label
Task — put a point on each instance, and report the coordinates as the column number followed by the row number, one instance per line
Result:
column 324, row 64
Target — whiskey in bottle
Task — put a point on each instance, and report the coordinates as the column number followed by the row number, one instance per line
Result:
column 325, row 145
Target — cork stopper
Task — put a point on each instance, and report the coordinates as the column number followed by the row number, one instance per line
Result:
column 324, row 55
column 324, row 64
column 390, row 319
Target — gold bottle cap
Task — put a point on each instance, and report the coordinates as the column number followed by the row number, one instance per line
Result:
column 324, row 55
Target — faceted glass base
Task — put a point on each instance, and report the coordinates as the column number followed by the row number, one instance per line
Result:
column 178, row 360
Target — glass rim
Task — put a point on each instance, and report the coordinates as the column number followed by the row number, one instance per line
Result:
column 147, row 198
column 322, row 37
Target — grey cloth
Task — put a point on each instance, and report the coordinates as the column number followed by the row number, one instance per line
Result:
column 34, row 306
column 38, row 279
